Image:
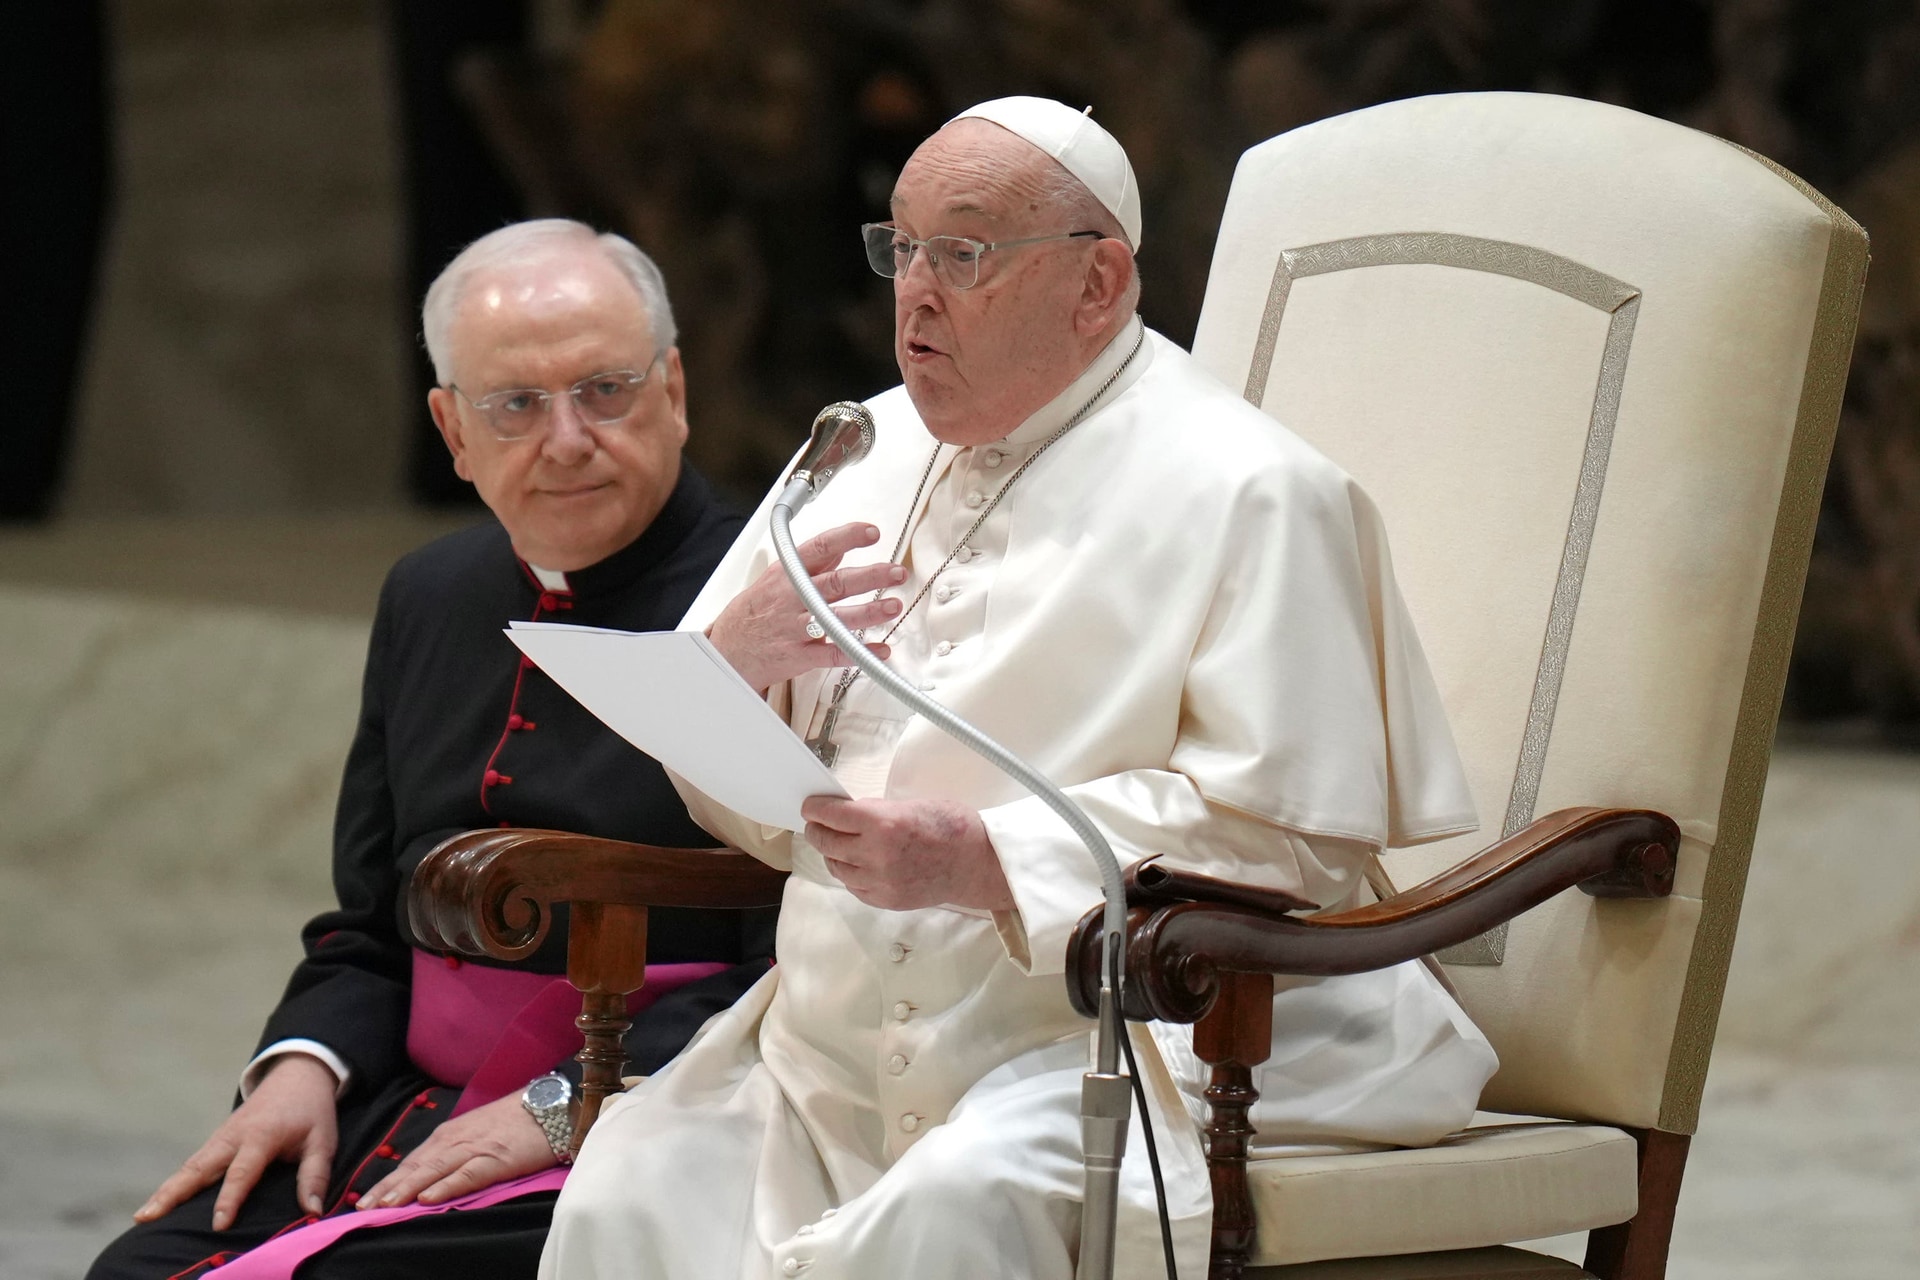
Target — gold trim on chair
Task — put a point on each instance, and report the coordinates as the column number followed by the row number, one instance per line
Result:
column 1835, row 317
column 1562, row 275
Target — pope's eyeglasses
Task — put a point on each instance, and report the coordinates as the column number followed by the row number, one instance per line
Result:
column 602, row 399
column 955, row 259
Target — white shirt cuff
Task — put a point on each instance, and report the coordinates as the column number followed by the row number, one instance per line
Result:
column 255, row 1070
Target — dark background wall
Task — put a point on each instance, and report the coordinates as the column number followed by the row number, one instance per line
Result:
column 269, row 184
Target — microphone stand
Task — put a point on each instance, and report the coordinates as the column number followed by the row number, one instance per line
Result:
column 1105, row 1103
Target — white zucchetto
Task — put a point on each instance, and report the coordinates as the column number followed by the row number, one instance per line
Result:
column 1087, row 150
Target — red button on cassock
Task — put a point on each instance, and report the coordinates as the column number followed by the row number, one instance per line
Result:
column 515, row 720
column 385, row 1151
column 352, row 1197
column 452, row 962
column 548, row 600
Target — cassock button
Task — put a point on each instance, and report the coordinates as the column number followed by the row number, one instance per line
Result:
column 805, row 1229
column 944, row 648
column 909, row 1123
column 897, row 952
column 791, row 1267
column 976, row 498
column 385, row 1151
column 549, row 601
column 992, row 457
column 902, row 1011
column 943, row 594
column 352, row 1197
column 897, row 1065
column 515, row 720
column 452, row 962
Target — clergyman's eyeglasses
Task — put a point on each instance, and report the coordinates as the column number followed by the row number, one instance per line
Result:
column 955, row 259
column 602, row 399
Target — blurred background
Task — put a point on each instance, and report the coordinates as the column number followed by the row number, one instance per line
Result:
column 226, row 211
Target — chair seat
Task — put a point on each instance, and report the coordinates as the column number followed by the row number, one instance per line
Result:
column 1502, row 1179
column 1455, row 1264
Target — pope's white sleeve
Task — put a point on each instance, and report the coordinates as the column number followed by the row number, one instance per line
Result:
column 1144, row 812
column 772, row 845
column 255, row 1071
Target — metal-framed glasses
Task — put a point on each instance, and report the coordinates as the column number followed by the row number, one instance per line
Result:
column 955, row 259
column 602, row 399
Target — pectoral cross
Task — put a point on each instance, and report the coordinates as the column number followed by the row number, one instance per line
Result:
column 824, row 746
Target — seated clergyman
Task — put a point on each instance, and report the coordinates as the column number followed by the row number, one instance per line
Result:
column 1167, row 603
column 389, row 1079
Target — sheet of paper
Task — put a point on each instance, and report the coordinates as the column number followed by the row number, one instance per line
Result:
column 672, row 695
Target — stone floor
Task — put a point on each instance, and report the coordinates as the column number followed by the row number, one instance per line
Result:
column 177, row 714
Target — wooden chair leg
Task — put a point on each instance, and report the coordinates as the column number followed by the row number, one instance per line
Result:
column 1637, row 1248
column 1233, row 1038
column 606, row 961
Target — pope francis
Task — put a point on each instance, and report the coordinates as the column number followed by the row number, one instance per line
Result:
column 1168, row 604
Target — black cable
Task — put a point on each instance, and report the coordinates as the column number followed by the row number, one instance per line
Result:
column 1153, row 1151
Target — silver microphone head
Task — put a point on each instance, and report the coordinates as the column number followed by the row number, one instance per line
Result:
column 842, row 435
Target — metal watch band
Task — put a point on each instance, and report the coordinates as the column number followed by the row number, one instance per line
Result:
column 559, row 1131
column 556, row 1121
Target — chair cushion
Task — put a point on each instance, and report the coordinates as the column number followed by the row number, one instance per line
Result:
column 1503, row 1179
column 1450, row 1265
column 1463, row 1264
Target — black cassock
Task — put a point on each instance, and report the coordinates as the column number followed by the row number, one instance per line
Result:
column 456, row 732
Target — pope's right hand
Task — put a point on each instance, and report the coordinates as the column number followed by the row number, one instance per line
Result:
column 289, row 1116
column 763, row 631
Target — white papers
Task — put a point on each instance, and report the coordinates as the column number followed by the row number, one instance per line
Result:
column 672, row 695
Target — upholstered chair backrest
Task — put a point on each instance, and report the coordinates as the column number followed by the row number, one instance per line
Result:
column 1588, row 363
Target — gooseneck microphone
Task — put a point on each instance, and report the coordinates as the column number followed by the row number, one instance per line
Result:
column 842, row 435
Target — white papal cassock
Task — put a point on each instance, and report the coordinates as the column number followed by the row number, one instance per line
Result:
column 1186, row 617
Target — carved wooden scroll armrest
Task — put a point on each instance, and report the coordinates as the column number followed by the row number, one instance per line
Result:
column 1179, row 939
column 1151, row 883
column 492, row 893
column 1205, row 951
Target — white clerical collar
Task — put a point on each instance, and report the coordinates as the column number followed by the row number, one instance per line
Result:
column 1049, row 417
column 550, row 579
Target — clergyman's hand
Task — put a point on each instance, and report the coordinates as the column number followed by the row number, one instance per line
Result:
column 468, row 1153
column 289, row 1116
column 763, row 631
column 901, row 855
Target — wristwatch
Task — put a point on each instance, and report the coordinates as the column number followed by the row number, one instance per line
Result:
column 548, row 1099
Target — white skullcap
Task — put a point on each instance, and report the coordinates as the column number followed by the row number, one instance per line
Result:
column 1087, row 151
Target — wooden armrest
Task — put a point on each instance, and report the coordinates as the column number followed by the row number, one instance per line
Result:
column 1150, row 883
column 1175, row 953
column 491, row 893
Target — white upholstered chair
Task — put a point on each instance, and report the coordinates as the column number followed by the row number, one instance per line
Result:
column 1588, row 364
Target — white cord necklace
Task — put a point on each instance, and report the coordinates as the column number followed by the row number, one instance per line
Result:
column 824, row 746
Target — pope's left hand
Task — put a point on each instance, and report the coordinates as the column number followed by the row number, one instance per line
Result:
column 468, row 1153
column 901, row 855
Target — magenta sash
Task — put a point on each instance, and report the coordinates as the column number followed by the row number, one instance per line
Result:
column 488, row 1031
column 483, row 1030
